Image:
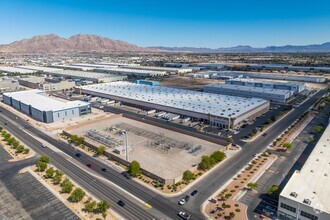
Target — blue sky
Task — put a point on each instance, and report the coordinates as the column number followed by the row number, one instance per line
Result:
column 207, row 23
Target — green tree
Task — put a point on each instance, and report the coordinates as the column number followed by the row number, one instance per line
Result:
column 100, row 150
column 57, row 179
column 311, row 139
column 287, row 145
column 67, row 186
column 318, row 128
column 134, row 168
column 90, row 206
column 103, row 206
column 77, row 195
column 20, row 149
column 254, row 131
column 59, row 173
column 26, row 150
column 74, row 138
column 1, row 128
column 188, row 175
column 50, row 172
column 44, row 159
column 3, row 133
column 42, row 166
column 218, row 156
column 252, row 185
column 207, row 163
column 11, row 140
column 230, row 140
column 80, row 140
column 7, row 136
column 274, row 191
column 15, row 144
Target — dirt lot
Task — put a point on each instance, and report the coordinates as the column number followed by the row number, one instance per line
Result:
column 171, row 151
column 187, row 83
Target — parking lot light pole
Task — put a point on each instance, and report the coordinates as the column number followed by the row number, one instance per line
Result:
column 126, row 145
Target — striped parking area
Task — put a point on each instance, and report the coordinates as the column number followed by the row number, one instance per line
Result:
column 24, row 197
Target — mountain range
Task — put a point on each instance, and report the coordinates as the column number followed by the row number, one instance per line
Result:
column 91, row 42
column 76, row 43
column 248, row 49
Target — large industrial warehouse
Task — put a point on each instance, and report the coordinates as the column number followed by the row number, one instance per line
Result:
column 306, row 194
column 295, row 87
column 218, row 110
column 90, row 76
column 276, row 95
column 41, row 107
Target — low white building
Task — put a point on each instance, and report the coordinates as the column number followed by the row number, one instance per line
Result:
column 276, row 95
column 306, row 196
column 295, row 87
column 41, row 107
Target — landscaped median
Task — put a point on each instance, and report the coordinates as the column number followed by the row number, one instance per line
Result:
column 225, row 204
column 13, row 146
column 70, row 193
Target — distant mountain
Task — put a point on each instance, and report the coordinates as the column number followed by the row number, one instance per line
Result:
column 91, row 42
column 79, row 43
column 248, row 49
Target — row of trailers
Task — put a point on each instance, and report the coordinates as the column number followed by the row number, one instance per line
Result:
column 169, row 116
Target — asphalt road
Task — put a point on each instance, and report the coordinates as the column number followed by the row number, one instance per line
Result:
column 206, row 186
column 133, row 209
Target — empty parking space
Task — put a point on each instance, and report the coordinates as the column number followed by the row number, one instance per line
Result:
column 24, row 197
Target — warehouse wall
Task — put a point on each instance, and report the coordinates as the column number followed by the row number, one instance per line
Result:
column 65, row 114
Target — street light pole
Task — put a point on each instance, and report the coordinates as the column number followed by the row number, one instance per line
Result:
column 126, row 145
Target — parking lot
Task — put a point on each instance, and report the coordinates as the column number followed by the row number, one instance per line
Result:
column 173, row 152
column 23, row 197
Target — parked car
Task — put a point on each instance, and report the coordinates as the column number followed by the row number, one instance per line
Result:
column 264, row 134
column 184, row 215
column 43, row 145
column 89, row 165
column 78, row 154
column 104, row 169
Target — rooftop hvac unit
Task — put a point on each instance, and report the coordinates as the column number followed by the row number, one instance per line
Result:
column 294, row 194
column 307, row 201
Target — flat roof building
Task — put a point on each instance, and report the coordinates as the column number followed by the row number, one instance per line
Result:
column 166, row 69
column 46, row 84
column 276, row 76
column 9, row 69
column 295, row 87
column 218, row 110
column 41, row 107
column 126, row 71
column 306, row 195
column 276, row 95
column 89, row 76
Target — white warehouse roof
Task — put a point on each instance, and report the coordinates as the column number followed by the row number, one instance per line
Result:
column 200, row 102
column 82, row 74
column 248, row 88
column 9, row 69
column 39, row 100
column 131, row 71
column 313, row 180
